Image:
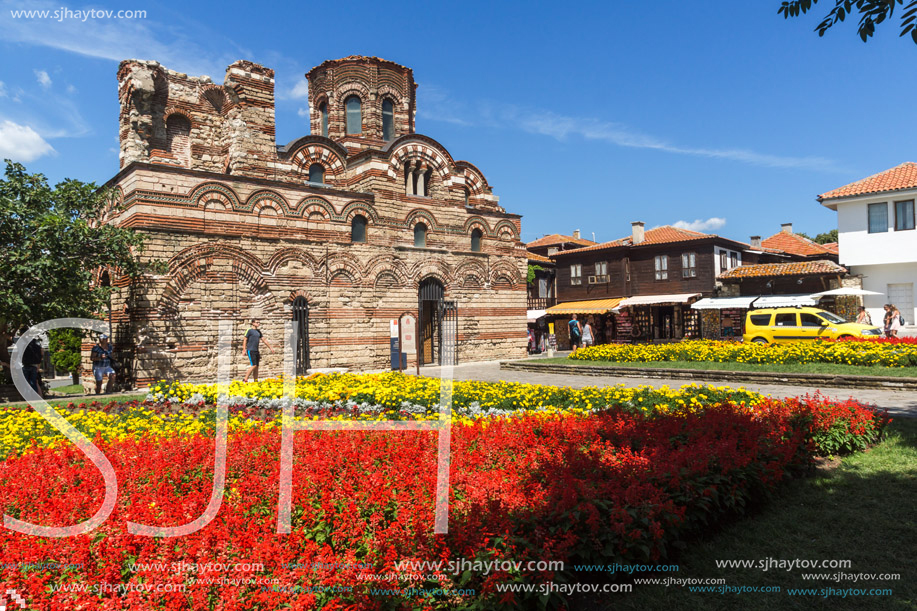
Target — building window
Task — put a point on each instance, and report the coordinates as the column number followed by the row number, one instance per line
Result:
column 662, row 267
column 904, row 215
column 178, row 138
column 689, row 265
column 476, row 236
column 601, row 268
column 323, row 110
column 354, row 111
column 317, row 173
column 724, row 260
column 420, row 235
column 733, row 259
column 878, row 218
column 552, row 250
column 388, row 120
column 576, row 274
column 358, row 229
column 467, row 195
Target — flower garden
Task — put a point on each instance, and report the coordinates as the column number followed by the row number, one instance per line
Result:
column 860, row 352
column 597, row 475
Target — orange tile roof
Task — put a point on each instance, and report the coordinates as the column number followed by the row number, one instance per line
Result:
column 797, row 268
column 795, row 244
column 556, row 238
column 536, row 257
column 667, row 234
column 899, row 177
column 832, row 246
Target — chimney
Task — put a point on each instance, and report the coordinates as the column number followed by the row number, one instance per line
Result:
column 576, row 234
column 756, row 241
column 786, row 227
column 637, row 232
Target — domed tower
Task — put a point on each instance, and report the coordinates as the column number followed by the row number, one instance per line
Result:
column 361, row 102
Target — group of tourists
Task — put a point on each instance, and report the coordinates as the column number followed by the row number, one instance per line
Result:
column 581, row 335
column 892, row 321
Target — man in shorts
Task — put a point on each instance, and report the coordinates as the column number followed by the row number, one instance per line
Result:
column 251, row 346
column 101, row 364
column 576, row 333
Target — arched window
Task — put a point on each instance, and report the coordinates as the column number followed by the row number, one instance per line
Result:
column 476, row 236
column 178, row 138
column 388, row 120
column 316, row 173
column 354, row 111
column 323, row 109
column 358, row 229
column 420, row 235
column 467, row 195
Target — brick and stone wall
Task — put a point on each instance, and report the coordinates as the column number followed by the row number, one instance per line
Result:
column 244, row 232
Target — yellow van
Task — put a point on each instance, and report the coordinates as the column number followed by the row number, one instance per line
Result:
column 778, row 325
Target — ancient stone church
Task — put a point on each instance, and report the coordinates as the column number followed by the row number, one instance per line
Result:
column 341, row 231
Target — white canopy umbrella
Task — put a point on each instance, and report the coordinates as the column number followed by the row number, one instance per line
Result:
column 844, row 290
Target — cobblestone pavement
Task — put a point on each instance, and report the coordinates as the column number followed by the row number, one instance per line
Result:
column 898, row 403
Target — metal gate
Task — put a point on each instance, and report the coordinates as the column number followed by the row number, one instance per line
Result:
column 448, row 331
column 301, row 327
column 433, row 314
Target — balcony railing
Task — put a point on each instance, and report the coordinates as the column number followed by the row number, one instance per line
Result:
column 541, row 303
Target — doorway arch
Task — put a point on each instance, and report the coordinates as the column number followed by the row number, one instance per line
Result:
column 434, row 314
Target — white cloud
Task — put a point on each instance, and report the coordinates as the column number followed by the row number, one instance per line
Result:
column 299, row 91
column 2, row 90
column 22, row 143
column 711, row 224
column 437, row 105
column 43, row 79
column 303, row 112
column 71, row 89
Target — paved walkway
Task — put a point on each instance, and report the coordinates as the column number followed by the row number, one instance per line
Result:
column 898, row 403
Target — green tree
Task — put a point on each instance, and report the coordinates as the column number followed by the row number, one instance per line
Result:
column 871, row 12
column 64, row 345
column 53, row 244
column 530, row 275
column 826, row 238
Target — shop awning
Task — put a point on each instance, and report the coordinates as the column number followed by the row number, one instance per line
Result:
column 593, row 306
column 534, row 315
column 642, row 300
column 723, row 303
column 783, row 301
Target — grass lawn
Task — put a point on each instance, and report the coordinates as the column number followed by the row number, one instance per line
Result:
column 820, row 368
column 862, row 511
column 73, row 389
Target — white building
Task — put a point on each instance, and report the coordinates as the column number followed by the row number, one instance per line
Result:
column 877, row 239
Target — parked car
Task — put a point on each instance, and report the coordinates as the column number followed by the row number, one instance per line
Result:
column 778, row 325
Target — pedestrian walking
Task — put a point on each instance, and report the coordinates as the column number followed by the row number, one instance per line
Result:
column 895, row 323
column 31, row 360
column 588, row 335
column 887, row 320
column 576, row 333
column 863, row 317
column 251, row 346
column 102, row 364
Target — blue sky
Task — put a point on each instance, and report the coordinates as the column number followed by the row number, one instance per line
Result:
column 582, row 115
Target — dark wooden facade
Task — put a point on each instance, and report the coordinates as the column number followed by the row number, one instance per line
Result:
column 632, row 269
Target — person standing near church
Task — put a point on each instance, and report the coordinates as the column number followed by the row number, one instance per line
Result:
column 251, row 346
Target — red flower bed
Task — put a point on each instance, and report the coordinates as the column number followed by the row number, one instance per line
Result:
column 610, row 487
column 877, row 340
